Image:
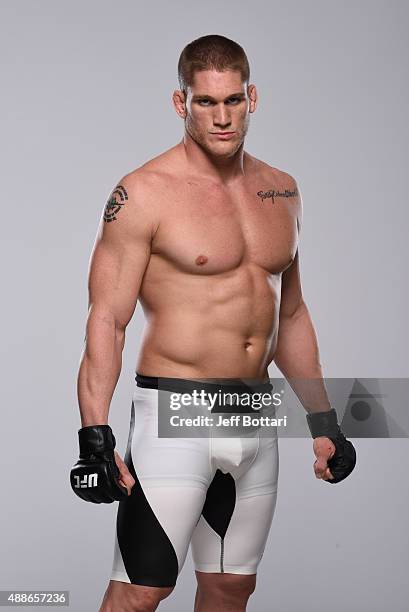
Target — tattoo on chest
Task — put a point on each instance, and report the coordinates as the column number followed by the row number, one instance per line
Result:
column 115, row 202
column 272, row 193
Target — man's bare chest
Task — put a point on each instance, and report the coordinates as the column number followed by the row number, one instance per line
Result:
column 211, row 230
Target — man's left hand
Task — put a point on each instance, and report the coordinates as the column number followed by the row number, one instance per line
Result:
column 324, row 449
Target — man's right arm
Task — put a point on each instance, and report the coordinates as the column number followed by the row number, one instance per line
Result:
column 118, row 262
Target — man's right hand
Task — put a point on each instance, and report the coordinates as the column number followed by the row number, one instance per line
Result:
column 125, row 477
column 96, row 477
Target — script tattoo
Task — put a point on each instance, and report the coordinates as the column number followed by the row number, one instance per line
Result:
column 114, row 205
column 272, row 193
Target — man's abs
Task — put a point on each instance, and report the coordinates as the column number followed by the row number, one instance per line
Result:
column 225, row 327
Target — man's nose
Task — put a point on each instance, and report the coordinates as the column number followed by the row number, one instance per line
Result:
column 221, row 116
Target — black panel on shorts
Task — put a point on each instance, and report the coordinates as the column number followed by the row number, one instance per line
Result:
column 148, row 554
column 220, row 502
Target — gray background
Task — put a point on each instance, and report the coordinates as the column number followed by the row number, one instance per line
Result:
column 86, row 97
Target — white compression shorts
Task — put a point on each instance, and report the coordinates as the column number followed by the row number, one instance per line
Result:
column 219, row 494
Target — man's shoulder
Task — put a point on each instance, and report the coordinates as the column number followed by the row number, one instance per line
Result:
column 154, row 174
column 268, row 172
column 143, row 188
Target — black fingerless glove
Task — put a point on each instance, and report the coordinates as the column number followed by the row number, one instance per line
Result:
column 94, row 478
column 344, row 459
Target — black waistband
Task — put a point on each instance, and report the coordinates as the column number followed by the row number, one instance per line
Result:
column 185, row 385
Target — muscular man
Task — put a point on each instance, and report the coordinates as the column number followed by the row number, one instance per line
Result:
column 206, row 237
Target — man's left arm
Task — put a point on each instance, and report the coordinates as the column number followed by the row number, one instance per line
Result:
column 297, row 357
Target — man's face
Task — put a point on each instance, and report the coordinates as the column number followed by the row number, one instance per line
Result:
column 217, row 111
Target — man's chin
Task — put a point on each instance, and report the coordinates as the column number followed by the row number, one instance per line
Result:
column 224, row 151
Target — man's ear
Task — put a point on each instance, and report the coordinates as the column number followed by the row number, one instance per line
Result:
column 179, row 102
column 253, row 97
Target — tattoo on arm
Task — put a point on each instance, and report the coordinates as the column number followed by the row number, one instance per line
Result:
column 115, row 202
column 272, row 193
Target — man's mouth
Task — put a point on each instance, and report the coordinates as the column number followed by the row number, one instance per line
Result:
column 223, row 135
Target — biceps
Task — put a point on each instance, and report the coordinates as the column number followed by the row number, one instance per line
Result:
column 115, row 278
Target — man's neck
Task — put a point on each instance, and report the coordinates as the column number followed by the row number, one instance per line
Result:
column 224, row 170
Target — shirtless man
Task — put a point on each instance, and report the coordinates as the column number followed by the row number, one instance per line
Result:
column 206, row 236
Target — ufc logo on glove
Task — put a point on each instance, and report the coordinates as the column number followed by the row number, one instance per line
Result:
column 88, row 481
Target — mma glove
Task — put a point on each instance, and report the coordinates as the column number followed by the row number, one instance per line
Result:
column 94, row 478
column 343, row 461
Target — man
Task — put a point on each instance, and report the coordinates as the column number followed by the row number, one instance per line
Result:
column 206, row 236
